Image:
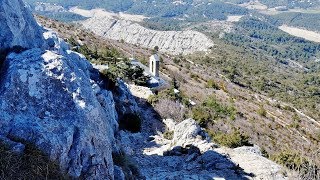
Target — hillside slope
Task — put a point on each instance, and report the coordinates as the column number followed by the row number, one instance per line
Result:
column 116, row 28
column 282, row 127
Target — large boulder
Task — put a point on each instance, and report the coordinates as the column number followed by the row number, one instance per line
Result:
column 188, row 132
column 51, row 101
column 18, row 27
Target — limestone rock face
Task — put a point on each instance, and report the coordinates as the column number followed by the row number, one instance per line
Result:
column 125, row 102
column 189, row 132
column 50, row 97
column 18, row 27
column 212, row 162
column 174, row 42
column 53, row 102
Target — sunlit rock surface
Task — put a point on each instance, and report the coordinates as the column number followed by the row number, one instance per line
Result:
column 50, row 97
column 18, row 27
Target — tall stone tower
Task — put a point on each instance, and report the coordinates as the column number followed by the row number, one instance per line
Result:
column 154, row 65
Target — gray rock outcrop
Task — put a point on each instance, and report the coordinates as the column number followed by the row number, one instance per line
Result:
column 51, row 99
column 18, row 27
column 174, row 42
column 125, row 102
column 189, row 132
column 182, row 159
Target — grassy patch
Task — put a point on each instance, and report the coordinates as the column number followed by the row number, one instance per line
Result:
column 212, row 84
column 33, row 164
column 262, row 112
column 307, row 168
column 232, row 140
column 211, row 110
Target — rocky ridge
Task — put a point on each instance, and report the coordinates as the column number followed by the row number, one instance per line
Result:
column 50, row 97
column 117, row 28
column 191, row 155
column 18, row 27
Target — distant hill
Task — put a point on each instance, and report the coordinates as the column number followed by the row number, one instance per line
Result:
column 189, row 10
column 292, row 3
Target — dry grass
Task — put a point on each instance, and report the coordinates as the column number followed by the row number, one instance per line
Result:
column 127, row 164
column 33, row 164
column 169, row 109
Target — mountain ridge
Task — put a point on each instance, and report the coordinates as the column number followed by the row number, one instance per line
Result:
column 174, row 42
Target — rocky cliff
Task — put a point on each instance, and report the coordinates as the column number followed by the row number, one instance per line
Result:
column 50, row 97
column 114, row 27
column 18, row 27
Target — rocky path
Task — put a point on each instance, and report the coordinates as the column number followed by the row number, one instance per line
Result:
column 189, row 155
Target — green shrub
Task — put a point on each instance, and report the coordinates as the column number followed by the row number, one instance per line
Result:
column 264, row 153
column 152, row 99
column 195, row 77
column 202, row 115
column 232, row 140
column 119, row 66
column 294, row 125
column 126, row 71
column 290, row 159
column 212, row 84
column 130, row 122
column 33, row 164
column 262, row 112
column 289, row 108
column 168, row 135
column 176, row 60
column 136, row 75
column 211, row 110
column 307, row 167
